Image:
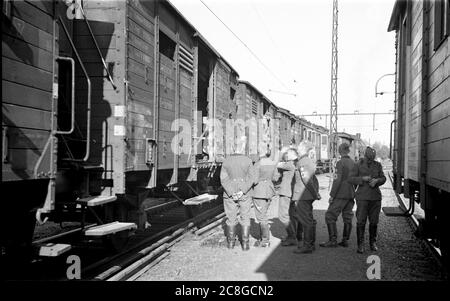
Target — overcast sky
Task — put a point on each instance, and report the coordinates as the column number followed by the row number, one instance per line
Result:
column 293, row 39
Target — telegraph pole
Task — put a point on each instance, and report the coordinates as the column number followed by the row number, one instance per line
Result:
column 333, row 101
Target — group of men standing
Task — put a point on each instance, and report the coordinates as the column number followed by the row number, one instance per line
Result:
column 246, row 183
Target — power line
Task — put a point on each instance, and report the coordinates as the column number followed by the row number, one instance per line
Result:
column 245, row 45
column 348, row 114
column 274, row 44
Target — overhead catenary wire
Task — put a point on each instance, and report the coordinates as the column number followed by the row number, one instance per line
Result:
column 245, row 45
column 274, row 44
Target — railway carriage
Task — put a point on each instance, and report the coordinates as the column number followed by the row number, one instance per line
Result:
column 421, row 156
column 107, row 104
column 252, row 104
column 105, row 101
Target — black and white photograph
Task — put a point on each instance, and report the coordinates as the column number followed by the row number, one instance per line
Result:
column 225, row 146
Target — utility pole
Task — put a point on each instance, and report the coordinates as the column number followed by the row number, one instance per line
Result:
column 333, row 100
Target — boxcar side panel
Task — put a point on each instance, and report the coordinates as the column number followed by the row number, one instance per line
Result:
column 108, row 124
column 140, row 75
column 438, row 111
column 27, row 76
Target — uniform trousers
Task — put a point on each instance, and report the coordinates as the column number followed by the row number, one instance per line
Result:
column 241, row 206
column 368, row 209
column 261, row 207
column 336, row 207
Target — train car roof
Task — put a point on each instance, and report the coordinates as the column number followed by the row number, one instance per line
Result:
column 198, row 35
column 398, row 9
column 259, row 92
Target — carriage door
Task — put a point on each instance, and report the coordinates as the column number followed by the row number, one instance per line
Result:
column 167, row 107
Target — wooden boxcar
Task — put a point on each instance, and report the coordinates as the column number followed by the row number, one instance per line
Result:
column 422, row 104
column 32, row 46
column 251, row 103
column 114, row 100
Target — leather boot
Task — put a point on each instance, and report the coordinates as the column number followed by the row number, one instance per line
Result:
column 258, row 239
column 307, row 246
column 360, row 238
column 231, row 239
column 265, row 235
column 332, row 233
column 299, row 235
column 290, row 239
column 245, row 238
column 346, row 235
column 373, row 237
column 314, row 235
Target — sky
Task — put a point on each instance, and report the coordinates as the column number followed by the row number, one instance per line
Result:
column 292, row 38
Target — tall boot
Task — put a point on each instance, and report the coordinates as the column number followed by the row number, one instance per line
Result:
column 314, row 235
column 307, row 246
column 332, row 234
column 290, row 239
column 231, row 237
column 265, row 235
column 245, row 238
column 258, row 236
column 346, row 234
column 299, row 235
column 373, row 237
column 360, row 237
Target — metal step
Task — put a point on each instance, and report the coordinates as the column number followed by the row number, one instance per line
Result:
column 53, row 250
column 110, row 228
column 97, row 200
column 200, row 199
column 393, row 211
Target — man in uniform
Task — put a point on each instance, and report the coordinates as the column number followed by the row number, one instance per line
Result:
column 304, row 194
column 237, row 178
column 286, row 208
column 265, row 173
column 368, row 175
column 341, row 199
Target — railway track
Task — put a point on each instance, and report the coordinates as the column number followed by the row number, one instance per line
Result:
column 170, row 221
column 414, row 224
column 149, row 250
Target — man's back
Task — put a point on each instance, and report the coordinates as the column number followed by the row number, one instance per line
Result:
column 341, row 188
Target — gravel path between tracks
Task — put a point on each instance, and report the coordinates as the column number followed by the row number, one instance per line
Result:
column 402, row 255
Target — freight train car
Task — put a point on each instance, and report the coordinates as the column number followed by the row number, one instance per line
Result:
column 106, row 101
column 421, row 154
column 318, row 136
column 264, row 131
column 286, row 127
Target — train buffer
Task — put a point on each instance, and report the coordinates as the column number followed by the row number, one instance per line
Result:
column 200, row 199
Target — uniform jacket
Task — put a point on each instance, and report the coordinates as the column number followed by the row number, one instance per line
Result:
column 236, row 174
column 287, row 170
column 265, row 173
column 306, row 184
column 364, row 192
column 341, row 188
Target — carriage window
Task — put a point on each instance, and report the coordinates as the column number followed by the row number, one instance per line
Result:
column 167, row 46
column 324, row 140
column 441, row 21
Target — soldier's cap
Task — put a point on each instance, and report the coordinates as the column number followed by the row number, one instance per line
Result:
column 344, row 148
column 370, row 153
